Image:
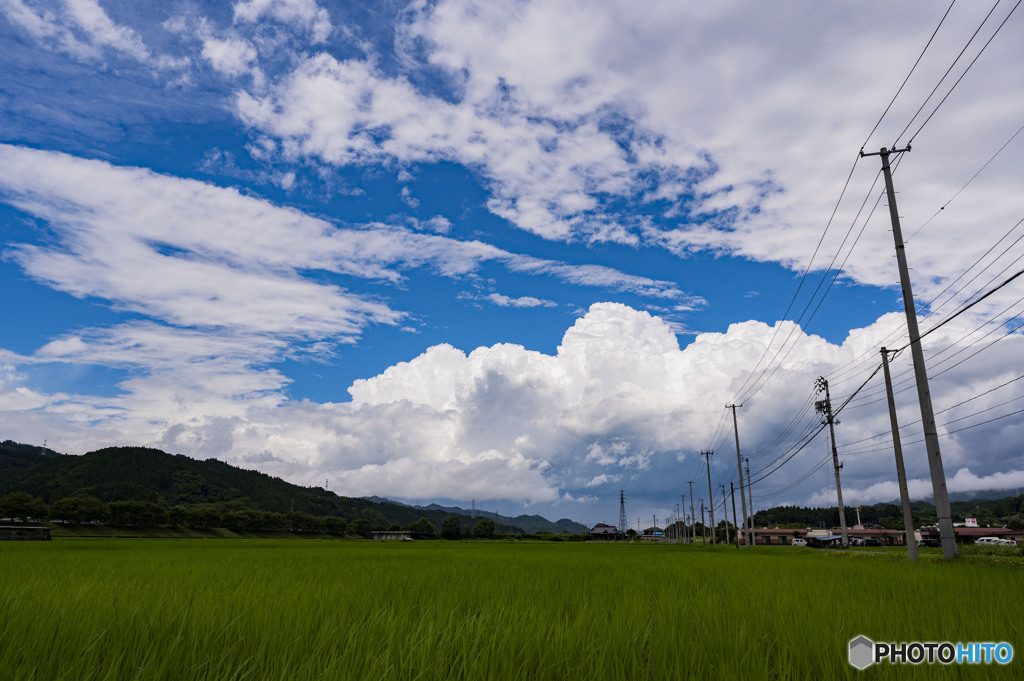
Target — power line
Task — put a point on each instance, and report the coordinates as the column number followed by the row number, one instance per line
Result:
column 912, row 68
column 948, row 71
column 983, row 48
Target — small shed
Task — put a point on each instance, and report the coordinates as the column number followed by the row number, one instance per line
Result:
column 24, row 533
column 392, row 535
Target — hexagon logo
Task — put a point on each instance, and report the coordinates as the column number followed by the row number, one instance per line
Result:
column 862, row 652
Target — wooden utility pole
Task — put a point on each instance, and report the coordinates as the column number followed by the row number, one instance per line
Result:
column 711, row 495
column 901, row 473
column 739, row 467
column 824, row 407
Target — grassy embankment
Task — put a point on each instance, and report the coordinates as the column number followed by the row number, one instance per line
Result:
column 222, row 610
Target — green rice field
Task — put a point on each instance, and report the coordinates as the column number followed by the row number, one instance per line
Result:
column 277, row 609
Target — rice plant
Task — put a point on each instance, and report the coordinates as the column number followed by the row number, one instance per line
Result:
column 266, row 609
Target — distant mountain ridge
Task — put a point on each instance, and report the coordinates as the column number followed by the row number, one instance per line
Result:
column 146, row 474
column 529, row 523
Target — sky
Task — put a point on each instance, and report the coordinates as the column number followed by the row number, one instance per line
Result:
column 519, row 255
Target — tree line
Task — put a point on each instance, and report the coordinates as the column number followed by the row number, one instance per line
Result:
column 23, row 507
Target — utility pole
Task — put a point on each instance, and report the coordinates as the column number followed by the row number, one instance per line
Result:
column 924, row 397
column 725, row 512
column 711, row 496
column 750, row 495
column 686, row 532
column 732, row 493
column 824, row 407
column 703, row 526
column 901, row 473
column 739, row 467
column 675, row 525
column 693, row 517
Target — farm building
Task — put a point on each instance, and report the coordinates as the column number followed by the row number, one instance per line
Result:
column 20, row 532
column 392, row 535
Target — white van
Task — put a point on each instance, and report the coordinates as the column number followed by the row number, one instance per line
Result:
column 987, row 540
column 799, row 542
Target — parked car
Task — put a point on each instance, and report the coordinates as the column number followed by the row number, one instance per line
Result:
column 871, row 541
column 929, row 542
column 992, row 541
column 799, row 542
column 1007, row 542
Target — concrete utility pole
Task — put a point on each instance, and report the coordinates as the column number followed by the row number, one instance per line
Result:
column 825, row 407
column 901, row 473
column 732, row 493
column 924, row 398
column 703, row 526
column 693, row 517
column 739, row 467
column 711, row 496
column 725, row 512
column 686, row 532
column 750, row 495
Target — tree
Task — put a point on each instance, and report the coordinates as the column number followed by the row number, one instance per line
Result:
column 21, row 505
column 79, row 510
column 451, row 527
column 362, row 527
column 335, row 525
column 484, row 529
column 202, row 517
column 422, row 529
column 136, row 513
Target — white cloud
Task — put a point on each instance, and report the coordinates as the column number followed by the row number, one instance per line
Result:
column 523, row 301
column 304, row 14
column 619, row 399
column 79, row 28
column 231, row 56
column 729, row 128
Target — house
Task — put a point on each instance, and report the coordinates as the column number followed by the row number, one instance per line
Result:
column 653, row 534
column 24, row 533
column 967, row 535
column 603, row 532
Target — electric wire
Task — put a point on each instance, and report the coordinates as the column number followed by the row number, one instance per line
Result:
column 910, row 73
column 976, row 57
column 948, row 71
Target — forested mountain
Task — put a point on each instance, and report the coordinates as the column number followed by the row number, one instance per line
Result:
column 151, row 475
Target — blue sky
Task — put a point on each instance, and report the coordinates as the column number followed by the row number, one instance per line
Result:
column 515, row 253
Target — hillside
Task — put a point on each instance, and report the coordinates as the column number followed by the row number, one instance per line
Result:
column 145, row 474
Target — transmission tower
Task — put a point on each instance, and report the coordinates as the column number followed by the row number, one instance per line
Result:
column 622, row 511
